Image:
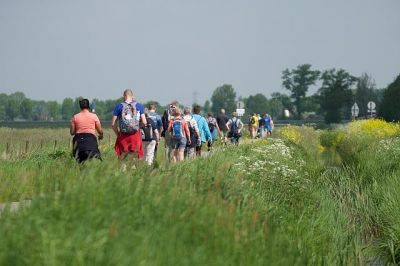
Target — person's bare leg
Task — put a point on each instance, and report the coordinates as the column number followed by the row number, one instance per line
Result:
column 181, row 155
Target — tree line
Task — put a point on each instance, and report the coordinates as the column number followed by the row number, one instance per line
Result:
column 338, row 91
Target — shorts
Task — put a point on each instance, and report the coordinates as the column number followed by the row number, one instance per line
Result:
column 179, row 144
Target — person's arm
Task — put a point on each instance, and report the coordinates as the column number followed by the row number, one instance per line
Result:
column 228, row 124
column 207, row 130
column 114, row 125
column 187, row 131
column 170, row 126
column 99, row 129
column 114, row 119
column 72, row 127
column 143, row 118
column 241, row 125
column 196, row 127
column 159, row 125
column 157, row 134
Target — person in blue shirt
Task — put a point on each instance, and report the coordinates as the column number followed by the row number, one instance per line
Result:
column 205, row 134
column 268, row 124
column 152, row 113
column 127, row 119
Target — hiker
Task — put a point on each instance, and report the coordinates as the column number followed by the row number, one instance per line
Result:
column 214, row 129
column 261, row 125
column 222, row 119
column 83, row 127
column 169, row 114
column 190, row 151
column 126, row 123
column 268, row 126
column 205, row 134
column 253, row 125
column 150, row 138
column 152, row 113
column 180, row 135
column 235, row 126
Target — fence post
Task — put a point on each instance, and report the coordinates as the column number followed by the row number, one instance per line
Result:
column 55, row 144
column 26, row 146
column 8, row 148
column 41, row 144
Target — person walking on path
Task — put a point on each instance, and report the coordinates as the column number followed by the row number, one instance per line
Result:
column 222, row 119
column 261, row 125
column 190, row 151
column 253, row 125
column 268, row 125
column 83, row 127
column 152, row 113
column 205, row 134
column 168, row 115
column 235, row 126
column 214, row 129
column 150, row 138
column 127, row 119
column 180, row 135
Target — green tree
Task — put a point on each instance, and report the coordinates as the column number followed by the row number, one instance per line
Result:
column 67, row 109
column 257, row 103
column 389, row 108
column 13, row 105
column 40, row 111
column 3, row 102
column 297, row 81
column 335, row 94
column 77, row 108
column 26, row 109
column 365, row 92
column 277, row 104
column 53, row 110
column 224, row 97
column 207, row 107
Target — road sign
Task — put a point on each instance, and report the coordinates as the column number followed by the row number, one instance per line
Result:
column 240, row 105
column 240, row 111
column 355, row 110
column 371, row 108
column 371, row 105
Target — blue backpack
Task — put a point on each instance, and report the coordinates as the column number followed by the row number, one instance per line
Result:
column 129, row 119
column 177, row 129
column 234, row 126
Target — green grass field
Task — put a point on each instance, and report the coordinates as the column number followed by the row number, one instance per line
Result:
column 305, row 197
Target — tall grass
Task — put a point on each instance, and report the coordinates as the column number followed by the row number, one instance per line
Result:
column 268, row 202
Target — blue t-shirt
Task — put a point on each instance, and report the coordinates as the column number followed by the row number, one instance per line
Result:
column 156, row 118
column 118, row 109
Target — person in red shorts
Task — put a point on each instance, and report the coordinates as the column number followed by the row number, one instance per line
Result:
column 128, row 118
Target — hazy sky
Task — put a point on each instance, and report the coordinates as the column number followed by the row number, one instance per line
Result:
column 170, row 49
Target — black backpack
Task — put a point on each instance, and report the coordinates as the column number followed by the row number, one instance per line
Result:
column 147, row 131
column 193, row 135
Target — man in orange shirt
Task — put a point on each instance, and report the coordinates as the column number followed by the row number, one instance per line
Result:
column 83, row 127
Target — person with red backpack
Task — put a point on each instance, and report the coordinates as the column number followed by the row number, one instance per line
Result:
column 180, row 134
column 126, row 122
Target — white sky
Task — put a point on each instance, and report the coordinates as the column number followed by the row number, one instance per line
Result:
column 166, row 50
